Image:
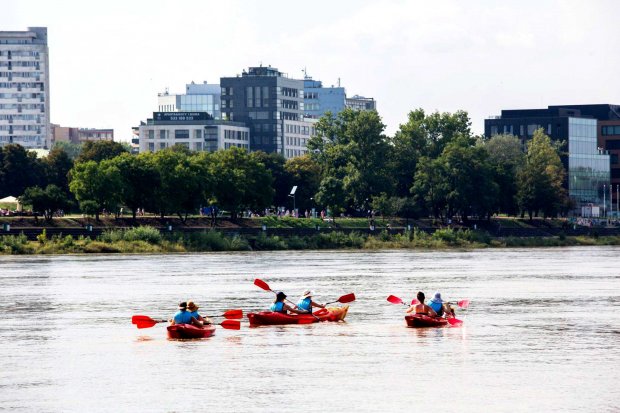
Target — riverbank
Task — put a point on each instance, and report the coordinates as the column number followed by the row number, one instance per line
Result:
column 147, row 239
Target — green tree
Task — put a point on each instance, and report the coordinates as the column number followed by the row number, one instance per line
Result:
column 506, row 157
column 430, row 188
column 45, row 201
column 540, row 180
column 72, row 149
column 96, row 186
column 100, row 150
column 186, row 182
column 306, row 174
column 469, row 179
column 352, row 148
column 282, row 180
column 57, row 165
column 141, row 180
column 19, row 169
column 331, row 194
column 241, row 181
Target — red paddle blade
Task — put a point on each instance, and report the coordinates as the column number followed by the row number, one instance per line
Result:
column 455, row 322
column 347, row 298
column 141, row 319
column 231, row 324
column 415, row 301
column 262, row 284
column 395, row 300
column 233, row 314
column 463, row 303
column 146, row 324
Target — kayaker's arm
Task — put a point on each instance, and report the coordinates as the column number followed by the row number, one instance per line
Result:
column 317, row 305
column 294, row 310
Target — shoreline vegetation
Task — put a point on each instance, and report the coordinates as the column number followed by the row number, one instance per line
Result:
column 148, row 239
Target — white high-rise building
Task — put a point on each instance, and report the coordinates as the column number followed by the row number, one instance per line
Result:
column 24, row 88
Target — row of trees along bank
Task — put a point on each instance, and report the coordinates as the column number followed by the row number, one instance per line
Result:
column 433, row 165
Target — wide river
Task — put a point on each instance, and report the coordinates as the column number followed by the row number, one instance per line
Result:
column 542, row 333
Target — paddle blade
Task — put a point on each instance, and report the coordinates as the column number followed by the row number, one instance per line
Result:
column 140, row 319
column 455, row 322
column 262, row 284
column 233, row 314
column 463, row 303
column 231, row 324
column 395, row 300
column 347, row 298
column 146, row 324
column 415, row 301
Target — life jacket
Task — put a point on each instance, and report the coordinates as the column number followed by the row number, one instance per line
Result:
column 305, row 304
column 437, row 307
column 278, row 307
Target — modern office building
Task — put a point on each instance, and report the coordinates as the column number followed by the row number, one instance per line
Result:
column 24, row 88
column 361, row 103
column 266, row 100
column 318, row 99
column 588, row 165
column 202, row 97
column 195, row 130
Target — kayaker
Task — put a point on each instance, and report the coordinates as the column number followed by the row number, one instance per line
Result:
column 279, row 306
column 305, row 302
column 421, row 308
column 441, row 308
column 182, row 316
column 192, row 308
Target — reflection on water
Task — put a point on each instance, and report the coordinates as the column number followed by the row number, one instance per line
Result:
column 541, row 333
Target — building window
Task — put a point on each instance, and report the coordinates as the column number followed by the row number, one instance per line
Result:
column 197, row 134
column 181, row 134
column 249, row 96
column 162, row 134
column 151, row 134
column 151, row 147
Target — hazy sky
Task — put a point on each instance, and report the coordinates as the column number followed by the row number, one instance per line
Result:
column 109, row 59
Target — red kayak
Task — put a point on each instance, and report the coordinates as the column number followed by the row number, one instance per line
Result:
column 422, row 320
column 190, row 331
column 269, row 318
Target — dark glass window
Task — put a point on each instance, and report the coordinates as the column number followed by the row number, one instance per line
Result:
column 181, row 134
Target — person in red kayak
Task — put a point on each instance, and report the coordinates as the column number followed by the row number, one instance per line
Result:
column 306, row 303
column 182, row 316
column 197, row 319
column 421, row 308
column 279, row 306
column 440, row 306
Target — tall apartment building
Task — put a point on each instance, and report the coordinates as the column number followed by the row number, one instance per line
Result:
column 24, row 88
column 587, row 164
column 270, row 104
column 201, row 97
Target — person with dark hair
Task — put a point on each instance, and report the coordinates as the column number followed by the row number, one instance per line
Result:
column 182, row 316
column 279, row 306
column 421, row 308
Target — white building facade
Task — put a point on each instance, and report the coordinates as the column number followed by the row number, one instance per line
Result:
column 194, row 130
column 24, row 88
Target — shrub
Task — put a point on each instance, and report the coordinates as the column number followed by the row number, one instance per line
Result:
column 447, row 235
column 264, row 242
column 143, row 233
column 15, row 244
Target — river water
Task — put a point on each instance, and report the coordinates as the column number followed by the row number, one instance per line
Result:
column 542, row 333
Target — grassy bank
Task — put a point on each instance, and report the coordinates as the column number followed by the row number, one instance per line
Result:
column 149, row 240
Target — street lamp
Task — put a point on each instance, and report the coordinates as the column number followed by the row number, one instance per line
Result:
column 293, row 190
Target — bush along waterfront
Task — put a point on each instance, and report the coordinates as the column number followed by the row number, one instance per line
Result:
column 149, row 240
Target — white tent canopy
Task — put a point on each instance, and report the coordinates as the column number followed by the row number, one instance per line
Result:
column 9, row 200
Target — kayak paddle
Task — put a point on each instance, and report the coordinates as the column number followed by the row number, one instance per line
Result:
column 236, row 313
column 262, row 284
column 455, row 322
column 142, row 321
column 395, row 300
column 347, row 298
column 463, row 303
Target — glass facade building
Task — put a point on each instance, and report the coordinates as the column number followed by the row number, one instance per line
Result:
column 588, row 167
column 197, row 98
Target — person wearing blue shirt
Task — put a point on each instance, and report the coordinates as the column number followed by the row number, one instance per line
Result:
column 305, row 302
column 279, row 306
column 197, row 319
column 182, row 316
column 440, row 307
